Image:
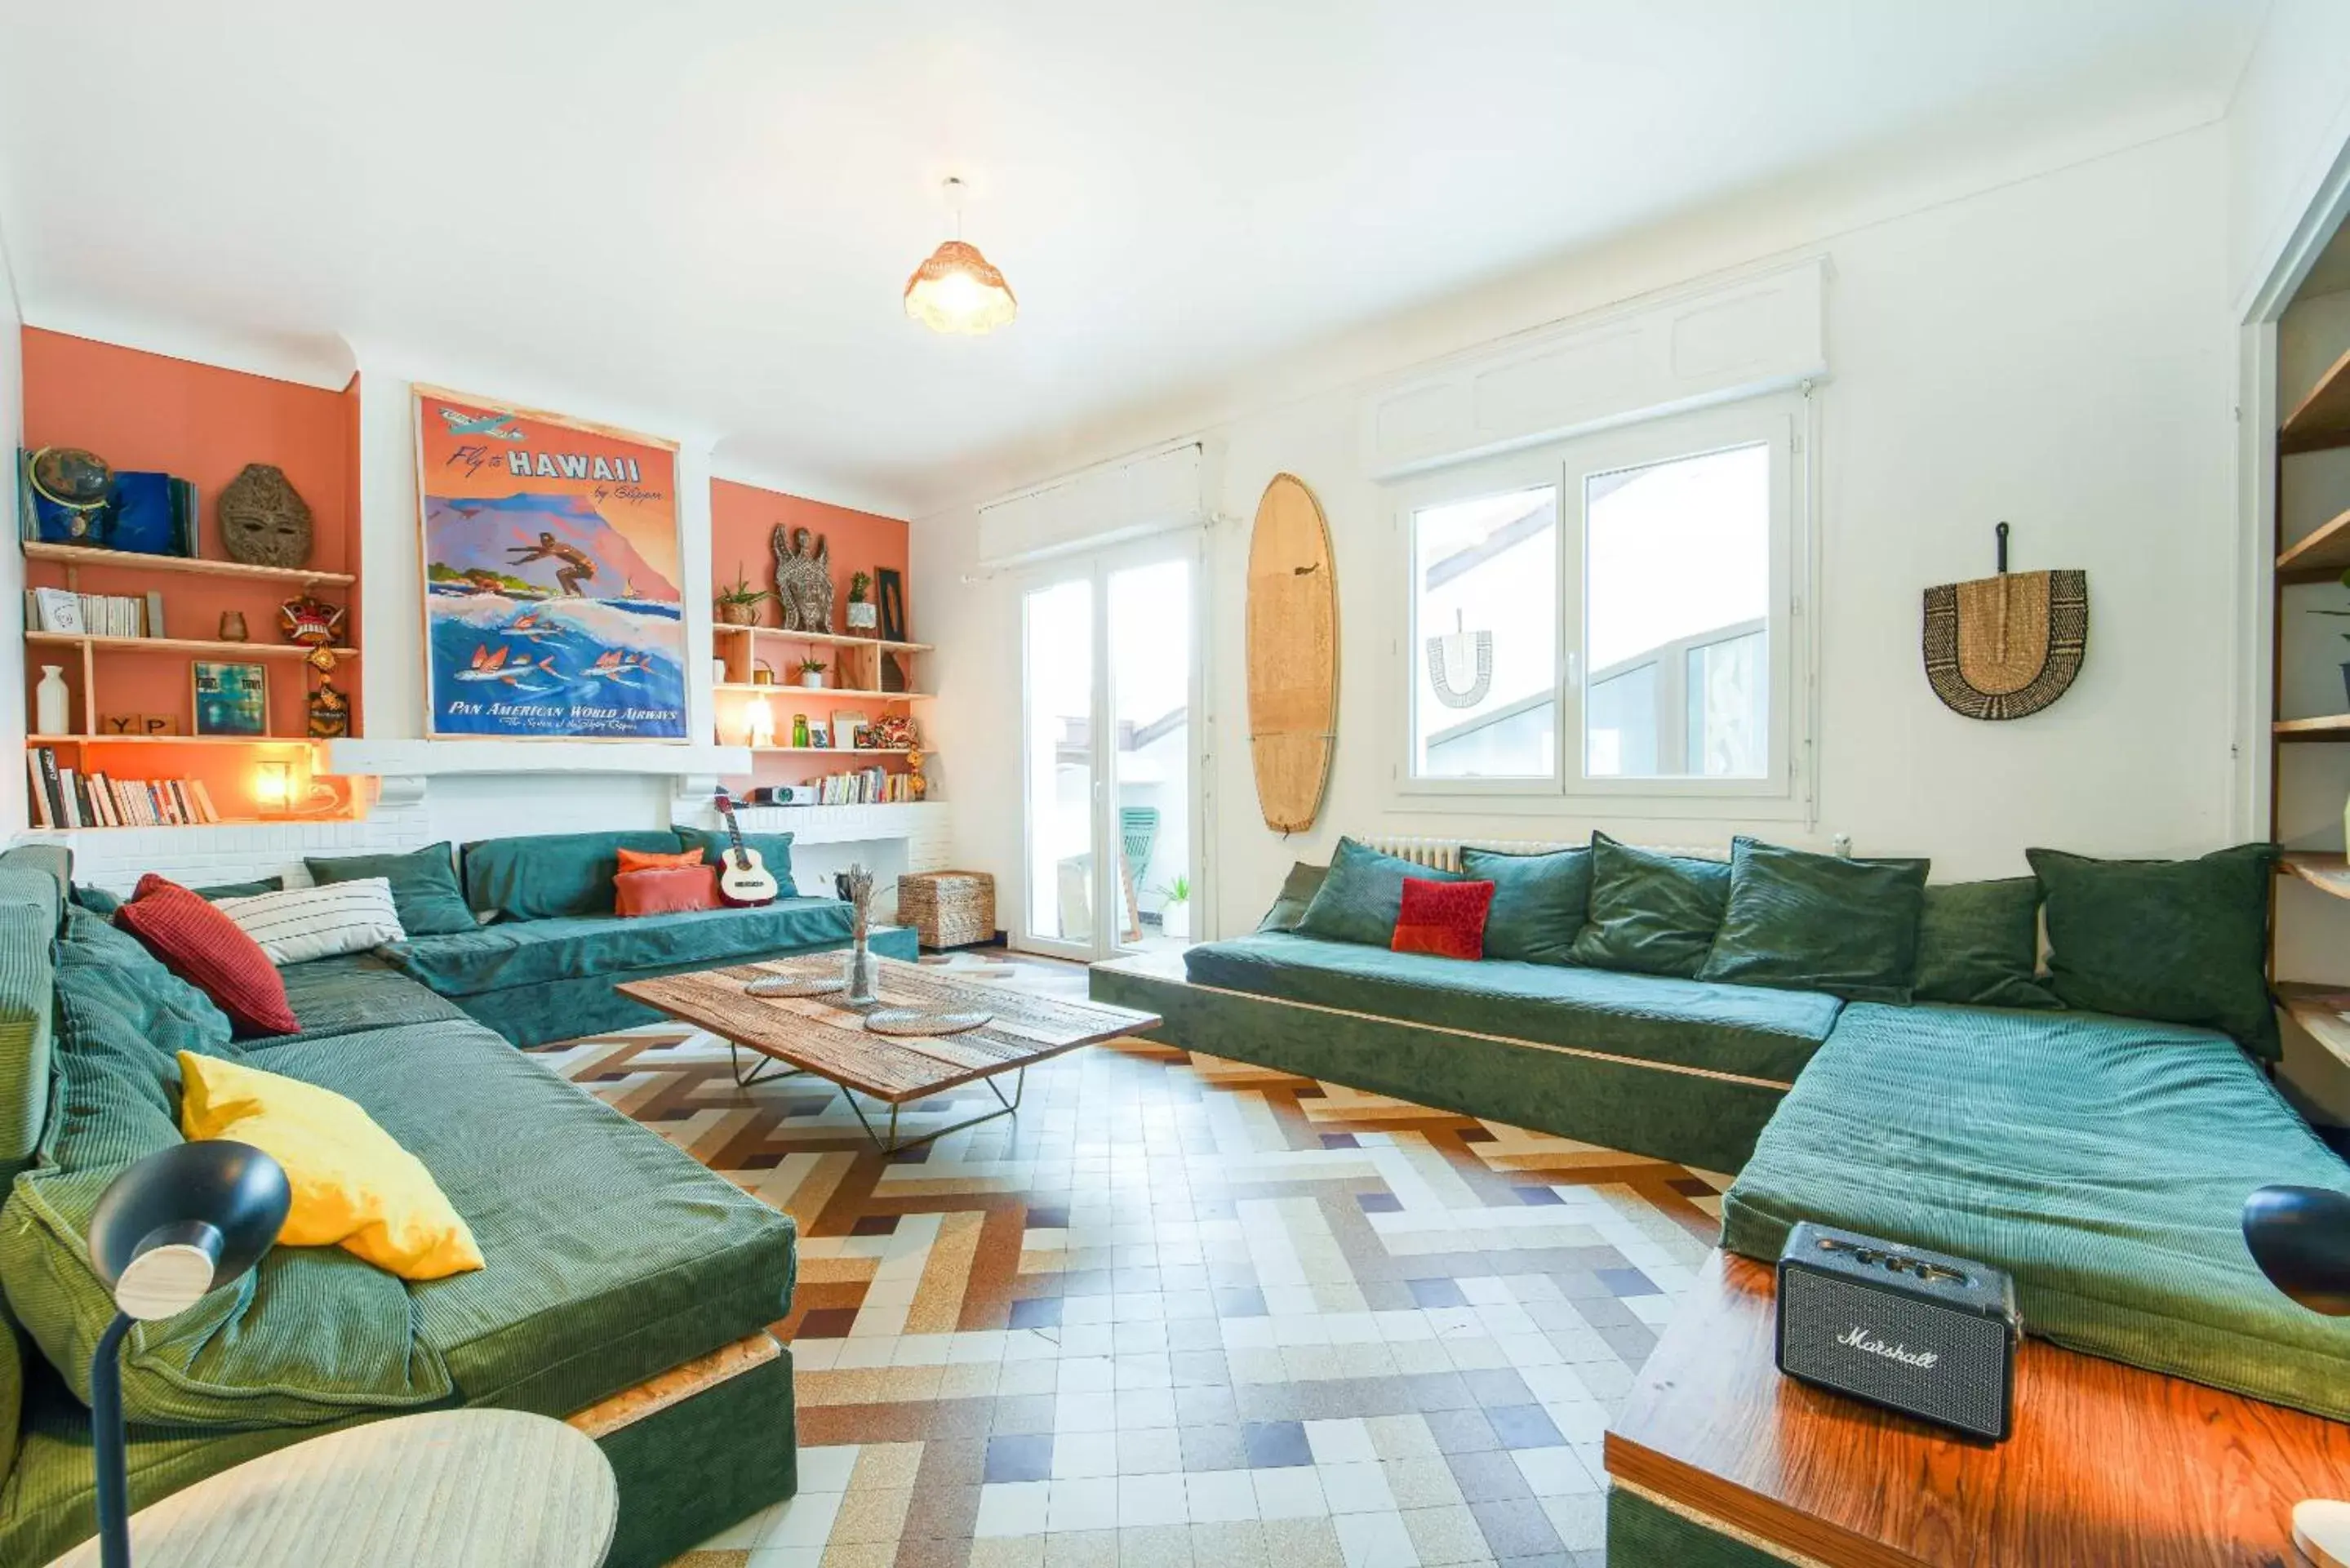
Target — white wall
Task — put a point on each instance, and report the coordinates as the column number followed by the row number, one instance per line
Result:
column 2057, row 351
column 2287, row 127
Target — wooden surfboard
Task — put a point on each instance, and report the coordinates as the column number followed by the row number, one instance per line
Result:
column 1293, row 655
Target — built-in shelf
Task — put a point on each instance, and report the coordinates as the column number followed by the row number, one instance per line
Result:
column 774, row 689
column 2325, row 870
column 2324, row 1011
column 169, row 741
column 178, row 645
column 2321, row 557
column 2323, row 418
column 75, row 556
column 2327, row 727
column 820, row 639
column 829, row 751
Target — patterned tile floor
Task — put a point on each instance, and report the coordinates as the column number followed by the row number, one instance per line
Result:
column 1184, row 1311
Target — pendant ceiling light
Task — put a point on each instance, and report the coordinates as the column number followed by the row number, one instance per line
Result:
column 956, row 289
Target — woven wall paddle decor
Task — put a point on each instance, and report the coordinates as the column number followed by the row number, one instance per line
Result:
column 2002, row 647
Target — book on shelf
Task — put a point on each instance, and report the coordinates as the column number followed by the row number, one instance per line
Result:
column 64, row 798
column 94, row 614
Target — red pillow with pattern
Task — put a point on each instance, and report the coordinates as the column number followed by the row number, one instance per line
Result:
column 204, row 948
column 666, row 891
column 1447, row 918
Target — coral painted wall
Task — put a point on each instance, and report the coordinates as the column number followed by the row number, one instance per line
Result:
column 202, row 424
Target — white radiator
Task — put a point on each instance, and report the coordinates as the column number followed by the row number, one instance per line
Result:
column 1444, row 854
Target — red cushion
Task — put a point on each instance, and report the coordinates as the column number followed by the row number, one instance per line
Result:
column 1447, row 918
column 666, row 889
column 204, row 948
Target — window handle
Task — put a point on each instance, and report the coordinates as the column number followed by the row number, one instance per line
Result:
column 1574, row 670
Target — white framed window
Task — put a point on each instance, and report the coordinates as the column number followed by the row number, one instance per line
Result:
column 1613, row 616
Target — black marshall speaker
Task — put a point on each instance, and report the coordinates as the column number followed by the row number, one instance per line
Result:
column 1928, row 1336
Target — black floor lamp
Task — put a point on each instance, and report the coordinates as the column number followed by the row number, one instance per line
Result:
column 169, row 1230
column 2299, row 1236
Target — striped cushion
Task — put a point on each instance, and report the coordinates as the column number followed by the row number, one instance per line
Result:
column 304, row 923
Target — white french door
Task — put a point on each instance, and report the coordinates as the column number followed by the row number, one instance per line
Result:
column 1111, row 673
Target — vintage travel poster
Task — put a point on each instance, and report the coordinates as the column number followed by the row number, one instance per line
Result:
column 553, row 606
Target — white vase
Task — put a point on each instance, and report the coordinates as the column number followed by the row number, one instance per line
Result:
column 52, row 703
column 812, row 682
column 863, row 616
column 1175, row 922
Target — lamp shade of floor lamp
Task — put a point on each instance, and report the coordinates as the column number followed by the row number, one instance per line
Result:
column 2299, row 1237
column 168, row 1232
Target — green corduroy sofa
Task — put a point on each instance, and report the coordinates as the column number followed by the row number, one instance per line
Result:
column 544, row 966
column 613, row 1258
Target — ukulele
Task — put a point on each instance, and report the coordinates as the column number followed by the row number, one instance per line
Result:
column 743, row 878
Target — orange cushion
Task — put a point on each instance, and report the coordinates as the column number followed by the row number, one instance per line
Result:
column 1444, row 918
column 653, row 860
column 666, row 889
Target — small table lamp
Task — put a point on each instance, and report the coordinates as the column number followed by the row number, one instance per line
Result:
column 176, row 1226
column 2299, row 1236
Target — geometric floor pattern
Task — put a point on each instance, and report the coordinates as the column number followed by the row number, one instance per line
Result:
column 1184, row 1311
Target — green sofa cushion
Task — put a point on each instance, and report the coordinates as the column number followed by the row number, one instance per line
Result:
column 98, row 901
column 2102, row 1161
column 28, row 999
column 113, row 970
column 1821, row 922
column 1651, row 913
column 774, row 850
column 611, row 1255
column 425, row 889
column 1979, row 942
column 1540, row 902
column 2183, row 941
column 352, row 993
column 1745, row 1030
column 1297, row 890
column 550, row 874
column 1362, row 895
column 311, row 1335
column 528, row 952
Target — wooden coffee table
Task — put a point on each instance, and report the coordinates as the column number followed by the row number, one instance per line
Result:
column 824, row 1036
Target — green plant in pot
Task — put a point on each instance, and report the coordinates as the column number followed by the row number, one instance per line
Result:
column 1175, row 914
column 812, row 672
column 739, row 605
column 864, row 615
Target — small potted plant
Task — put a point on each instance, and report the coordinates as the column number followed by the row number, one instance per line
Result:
column 1175, row 915
column 812, row 673
column 739, row 605
column 863, row 614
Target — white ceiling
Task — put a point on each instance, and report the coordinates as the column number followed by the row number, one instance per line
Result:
column 709, row 207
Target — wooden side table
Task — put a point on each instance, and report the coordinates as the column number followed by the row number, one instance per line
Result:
column 448, row 1489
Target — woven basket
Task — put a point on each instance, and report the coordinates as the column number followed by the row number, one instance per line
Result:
column 947, row 909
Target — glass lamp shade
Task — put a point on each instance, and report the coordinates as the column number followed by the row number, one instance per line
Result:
column 956, row 290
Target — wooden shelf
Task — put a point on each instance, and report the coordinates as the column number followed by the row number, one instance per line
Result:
column 2327, row 870
column 821, row 691
column 821, row 638
column 2321, row 557
column 2322, row 420
column 169, row 741
column 2329, row 727
column 829, row 751
column 132, row 560
column 2324, row 1011
column 178, row 645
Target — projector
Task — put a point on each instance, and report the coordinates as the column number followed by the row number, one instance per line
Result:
column 783, row 794
column 1926, row 1334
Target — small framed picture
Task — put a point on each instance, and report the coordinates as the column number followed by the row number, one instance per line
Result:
column 819, row 734
column 230, row 699
column 850, row 725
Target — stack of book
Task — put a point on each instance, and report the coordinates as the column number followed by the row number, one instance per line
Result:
column 62, row 797
column 865, row 786
column 94, row 614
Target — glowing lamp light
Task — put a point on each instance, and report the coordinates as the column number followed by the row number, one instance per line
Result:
column 956, row 289
column 273, row 787
column 760, row 721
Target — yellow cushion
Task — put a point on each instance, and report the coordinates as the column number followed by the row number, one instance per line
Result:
column 353, row 1186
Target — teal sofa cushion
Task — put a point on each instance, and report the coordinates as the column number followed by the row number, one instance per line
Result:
column 611, row 1255
column 1820, row 922
column 2102, row 1161
column 1744, row 1030
column 98, row 901
column 1979, row 942
column 311, row 1335
column 1296, row 894
column 1651, row 913
column 27, row 1000
column 352, row 993
column 1362, row 895
column 425, row 889
column 2183, row 941
column 1540, row 902
column 551, row 875
column 529, row 952
column 113, row 970
column 774, row 850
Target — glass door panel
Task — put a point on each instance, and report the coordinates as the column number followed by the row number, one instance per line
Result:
column 1057, row 658
column 1149, row 627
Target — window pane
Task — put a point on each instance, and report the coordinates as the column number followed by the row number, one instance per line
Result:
column 1486, row 616
column 1676, row 589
